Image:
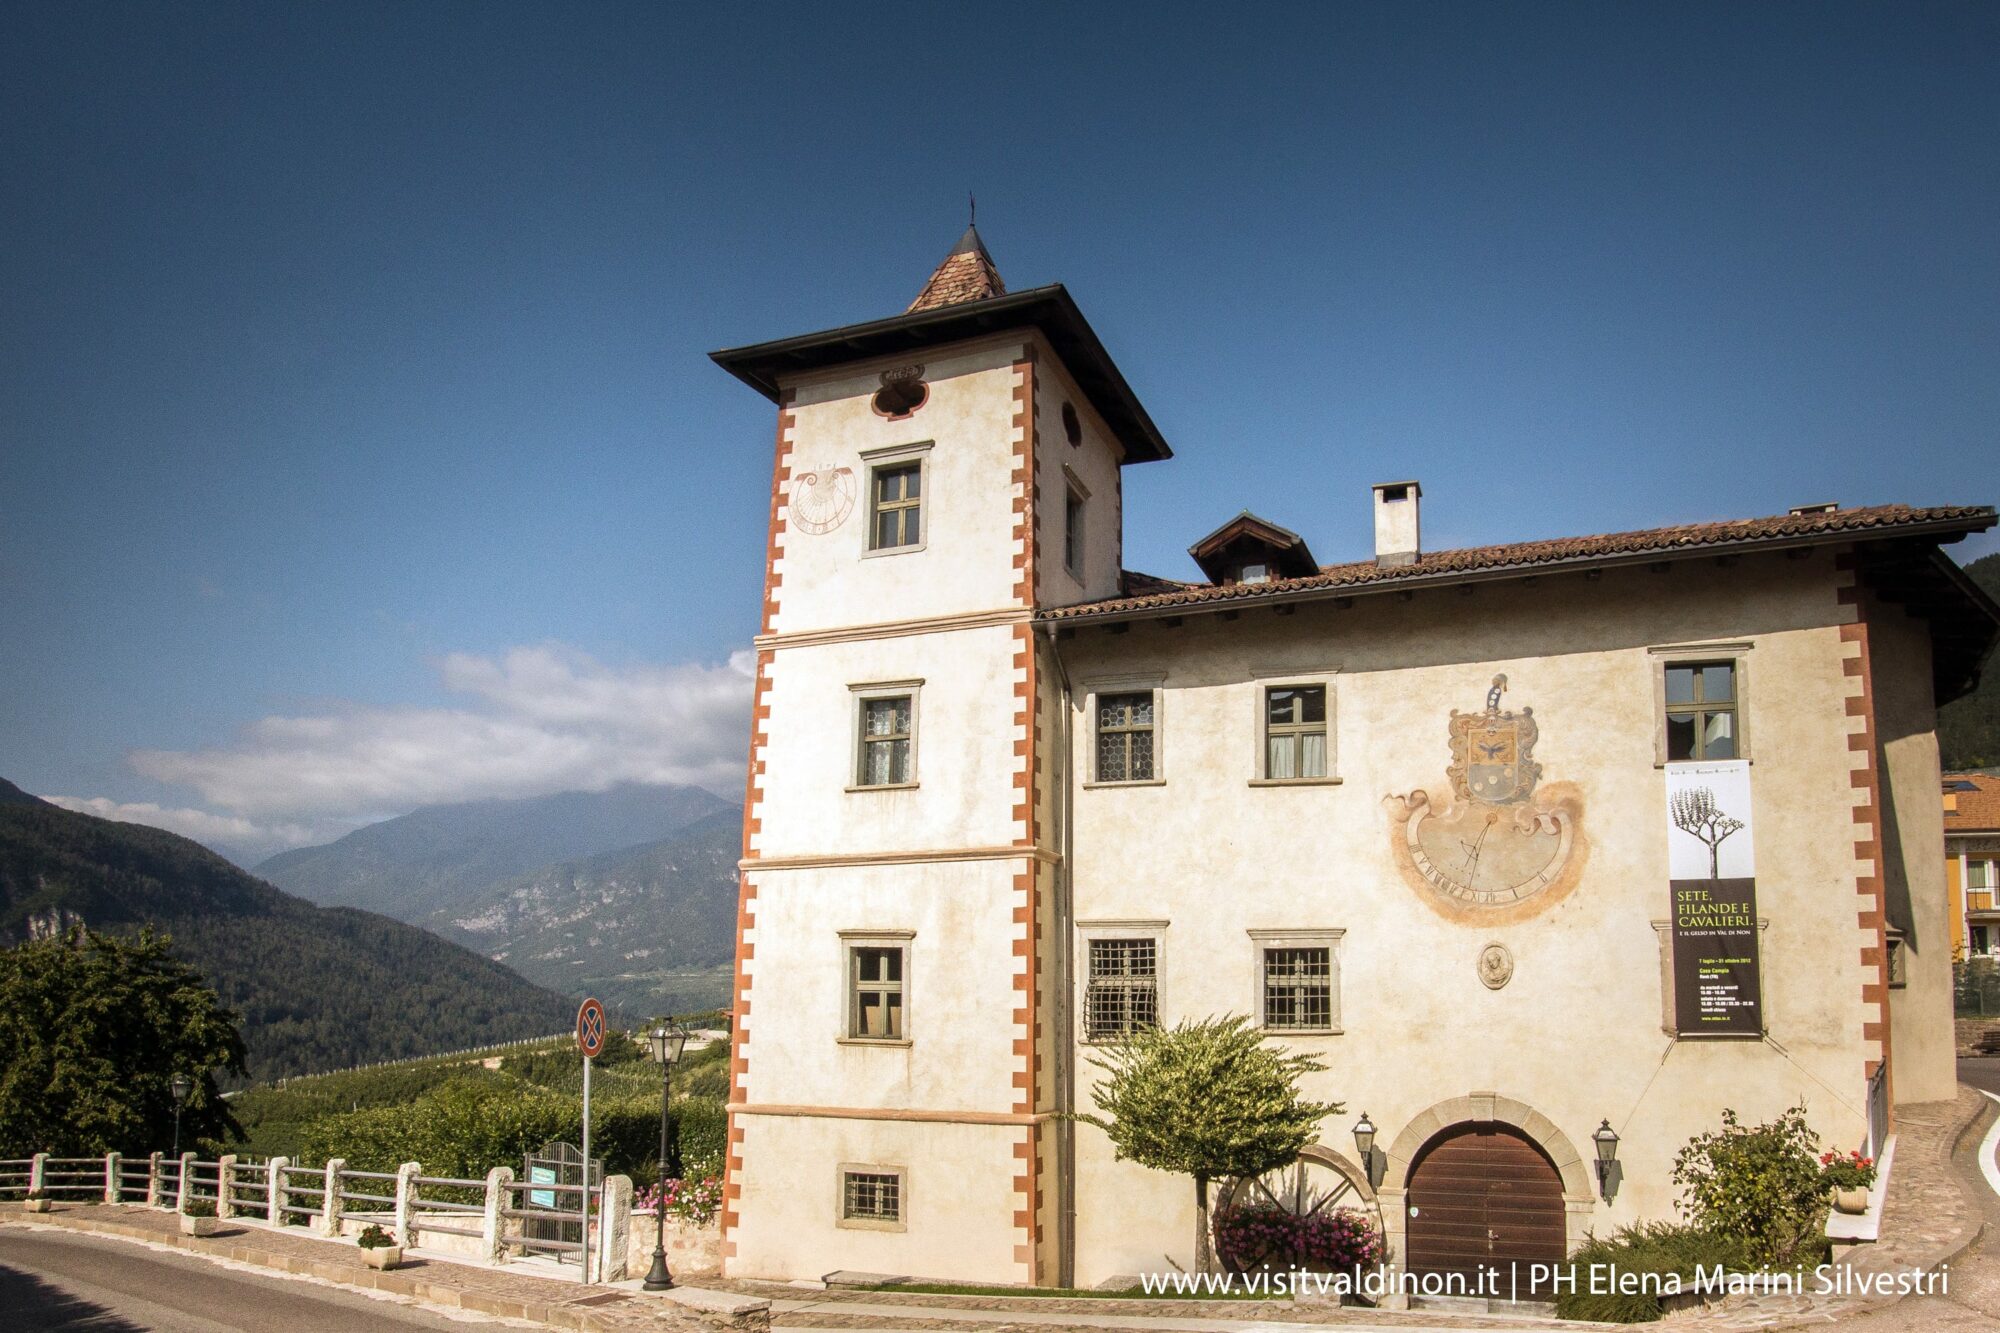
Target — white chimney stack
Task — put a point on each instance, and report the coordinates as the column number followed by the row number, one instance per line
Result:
column 1396, row 538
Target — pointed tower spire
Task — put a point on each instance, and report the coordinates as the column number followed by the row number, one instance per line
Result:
column 967, row 274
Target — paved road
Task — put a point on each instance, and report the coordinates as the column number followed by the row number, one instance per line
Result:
column 1981, row 1073
column 85, row 1284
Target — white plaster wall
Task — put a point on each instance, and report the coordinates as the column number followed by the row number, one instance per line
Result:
column 966, row 562
column 958, row 988
column 964, row 746
column 1577, row 1033
column 958, row 1202
column 1095, row 463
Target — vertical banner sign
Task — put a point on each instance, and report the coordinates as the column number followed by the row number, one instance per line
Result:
column 590, row 1040
column 1712, row 869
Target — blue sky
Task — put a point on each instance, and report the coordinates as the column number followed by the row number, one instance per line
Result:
column 358, row 446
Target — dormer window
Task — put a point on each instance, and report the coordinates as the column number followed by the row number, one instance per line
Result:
column 1248, row 549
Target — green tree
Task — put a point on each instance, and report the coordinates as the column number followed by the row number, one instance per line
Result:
column 92, row 1030
column 1757, row 1183
column 1210, row 1100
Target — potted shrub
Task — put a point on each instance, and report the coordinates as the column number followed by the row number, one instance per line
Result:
column 1848, row 1179
column 38, row 1202
column 378, row 1247
column 198, row 1219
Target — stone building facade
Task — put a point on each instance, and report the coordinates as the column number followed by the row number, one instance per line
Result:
column 1523, row 841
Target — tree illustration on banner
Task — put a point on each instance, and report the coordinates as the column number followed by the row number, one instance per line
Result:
column 1696, row 813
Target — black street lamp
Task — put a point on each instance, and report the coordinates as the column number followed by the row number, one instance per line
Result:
column 664, row 1043
column 181, row 1086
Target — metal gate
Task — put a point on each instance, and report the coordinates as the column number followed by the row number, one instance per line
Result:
column 553, row 1215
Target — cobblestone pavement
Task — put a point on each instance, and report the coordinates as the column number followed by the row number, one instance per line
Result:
column 553, row 1301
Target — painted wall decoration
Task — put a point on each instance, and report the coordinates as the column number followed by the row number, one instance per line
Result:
column 1712, row 870
column 822, row 499
column 1496, row 966
column 1504, row 839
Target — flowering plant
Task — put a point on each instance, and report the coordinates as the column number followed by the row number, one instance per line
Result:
column 696, row 1200
column 1852, row 1171
column 1265, row 1236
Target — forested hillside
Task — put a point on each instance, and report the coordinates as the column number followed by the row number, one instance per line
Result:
column 1969, row 728
column 316, row 987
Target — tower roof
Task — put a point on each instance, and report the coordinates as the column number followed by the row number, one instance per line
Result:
column 967, row 274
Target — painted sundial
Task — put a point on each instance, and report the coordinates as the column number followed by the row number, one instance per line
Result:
column 1503, row 838
column 822, row 499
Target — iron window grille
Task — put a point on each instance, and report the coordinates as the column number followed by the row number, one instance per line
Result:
column 875, row 1011
column 896, row 507
column 1701, row 711
column 871, row 1196
column 1125, row 737
column 1295, row 732
column 885, row 741
column 1298, row 989
column 1122, row 996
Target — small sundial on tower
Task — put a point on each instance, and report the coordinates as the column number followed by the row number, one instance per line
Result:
column 822, row 499
column 1497, row 842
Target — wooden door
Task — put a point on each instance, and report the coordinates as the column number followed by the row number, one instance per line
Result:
column 1483, row 1195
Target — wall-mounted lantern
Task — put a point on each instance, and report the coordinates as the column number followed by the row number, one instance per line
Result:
column 1606, row 1139
column 1372, row 1162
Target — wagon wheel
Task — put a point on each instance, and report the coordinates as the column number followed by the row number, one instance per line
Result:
column 1318, row 1182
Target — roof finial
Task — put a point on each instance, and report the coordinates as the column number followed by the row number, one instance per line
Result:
column 971, row 210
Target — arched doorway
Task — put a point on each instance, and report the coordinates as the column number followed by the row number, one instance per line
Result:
column 1484, row 1195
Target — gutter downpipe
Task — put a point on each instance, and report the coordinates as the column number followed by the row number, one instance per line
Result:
column 1065, row 1052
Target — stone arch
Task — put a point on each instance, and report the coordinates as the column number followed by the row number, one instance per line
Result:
column 1579, row 1184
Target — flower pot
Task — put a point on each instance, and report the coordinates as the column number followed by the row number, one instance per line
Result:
column 38, row 1205
column 1850, row 1199
column 197, row 1226
column 383, row 1256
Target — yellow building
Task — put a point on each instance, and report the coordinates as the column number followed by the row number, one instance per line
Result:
column 1522, row 840
column 1972, row 861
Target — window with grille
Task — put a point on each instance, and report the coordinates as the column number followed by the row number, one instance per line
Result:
column 1294, row 732
column 875, row 989
column 1122, row 996
column 1073, row 534
column 885, row 741
column 1125, row 737
column 1701, row 711
column 896, row 507
column 1298, row 989
column 1898, row 962
column 871, row 1196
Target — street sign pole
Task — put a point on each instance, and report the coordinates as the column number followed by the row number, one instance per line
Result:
column 590, row 1030
column 586, row 1169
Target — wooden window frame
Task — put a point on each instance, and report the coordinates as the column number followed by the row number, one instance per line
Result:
column 1265, row 730
column 852, row 942
column 900, row 1176
column 1090, row 692
column 879, row 692
column 878, row 461
column 1737, row 656
column 1075, row 503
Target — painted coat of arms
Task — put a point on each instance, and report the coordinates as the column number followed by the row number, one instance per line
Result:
column 1503, row 837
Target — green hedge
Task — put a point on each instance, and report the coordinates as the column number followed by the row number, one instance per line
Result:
column 1656, row 1248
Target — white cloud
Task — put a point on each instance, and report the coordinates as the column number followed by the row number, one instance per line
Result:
column 535, row 720
column 204, row 827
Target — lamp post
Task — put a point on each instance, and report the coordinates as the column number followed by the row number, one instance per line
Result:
column 181, row 1086
column 664, row 1043
column 1364, row 1144
column 1606, row 1139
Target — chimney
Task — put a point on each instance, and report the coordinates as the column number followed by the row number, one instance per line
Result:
column 1396, row 522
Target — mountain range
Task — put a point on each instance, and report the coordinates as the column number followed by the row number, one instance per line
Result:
column 315, row 987
column 628, row 894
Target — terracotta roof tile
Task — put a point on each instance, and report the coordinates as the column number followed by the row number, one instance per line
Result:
column 1528, row 555
column 967, row 274
column 1978, row 810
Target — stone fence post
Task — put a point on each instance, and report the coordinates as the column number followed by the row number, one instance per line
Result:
column 114, row 1166
column 329, row 1218
column 274, row 1190
column 225, row 1186
column 493, row 1231
column 181, row 1185
column 614, row 1220
column 37, row 1167
column 153, row 1181
column 406, row 1198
